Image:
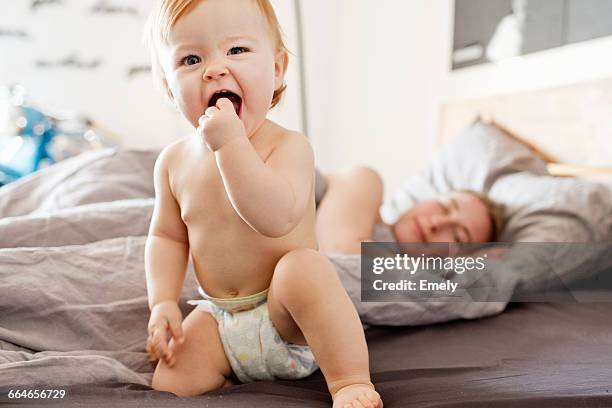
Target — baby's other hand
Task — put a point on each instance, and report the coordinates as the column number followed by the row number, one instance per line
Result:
column 166, row 318
column 220, row 124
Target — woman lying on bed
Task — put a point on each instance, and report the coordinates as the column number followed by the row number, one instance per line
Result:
column 349, row 214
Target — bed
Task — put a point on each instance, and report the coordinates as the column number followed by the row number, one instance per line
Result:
column 73, row 306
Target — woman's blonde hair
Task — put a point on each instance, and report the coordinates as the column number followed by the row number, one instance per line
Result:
column 166, row 13
column 496, row 211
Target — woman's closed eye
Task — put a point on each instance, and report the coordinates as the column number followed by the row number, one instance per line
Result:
column 237, row 50
column 445, row 208
column 190, row 60
column 457, row 235
column 460, row 232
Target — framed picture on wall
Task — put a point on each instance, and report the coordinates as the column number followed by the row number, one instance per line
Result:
column 494, row 30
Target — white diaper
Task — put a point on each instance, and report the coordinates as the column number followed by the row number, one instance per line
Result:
column 252, row 345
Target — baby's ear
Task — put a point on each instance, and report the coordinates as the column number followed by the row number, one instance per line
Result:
column 169, row 94
column 281, row 61
column 168, row 91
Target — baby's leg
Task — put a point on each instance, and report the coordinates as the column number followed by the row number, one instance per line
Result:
column 308, row 304
column 349, row 210
column 201, row 365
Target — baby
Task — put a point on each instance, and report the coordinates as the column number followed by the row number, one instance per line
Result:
column 238, row 197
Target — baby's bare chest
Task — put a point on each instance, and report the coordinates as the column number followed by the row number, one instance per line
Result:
column 200, row 193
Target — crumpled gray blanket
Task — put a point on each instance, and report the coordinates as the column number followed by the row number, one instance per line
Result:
column 73, row 305
column 74, row 309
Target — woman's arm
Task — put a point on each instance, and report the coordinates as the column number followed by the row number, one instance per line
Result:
column 349, row 210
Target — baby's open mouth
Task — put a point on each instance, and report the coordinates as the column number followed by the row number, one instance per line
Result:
column 236, row 100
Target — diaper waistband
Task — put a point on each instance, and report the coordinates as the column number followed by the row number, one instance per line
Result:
column 240, row 304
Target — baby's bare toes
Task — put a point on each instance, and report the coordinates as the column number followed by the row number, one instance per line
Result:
column 357, row 396
column 366, row 402
column 374, row 398
column 370, row 399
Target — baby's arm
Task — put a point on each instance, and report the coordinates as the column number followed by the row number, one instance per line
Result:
column 166, row 252
column 166, row 256
column 270, row 196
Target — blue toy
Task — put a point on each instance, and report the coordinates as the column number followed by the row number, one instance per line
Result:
column 30, row 138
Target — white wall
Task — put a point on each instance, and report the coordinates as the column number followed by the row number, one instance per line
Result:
column 289, row 112
column 127, row 105
column 374, row 73
column 583, row 61
column 378, row 73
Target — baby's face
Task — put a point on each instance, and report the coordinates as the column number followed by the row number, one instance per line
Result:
column 223, row 48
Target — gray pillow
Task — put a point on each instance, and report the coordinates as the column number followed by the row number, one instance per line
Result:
column 540, row 208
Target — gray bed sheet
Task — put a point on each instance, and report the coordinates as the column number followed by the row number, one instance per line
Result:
column 536, row 355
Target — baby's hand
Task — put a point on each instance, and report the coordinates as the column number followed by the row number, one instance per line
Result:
column 165, row 316
column 220, row 124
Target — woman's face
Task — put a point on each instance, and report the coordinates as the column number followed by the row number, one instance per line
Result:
column 459, row 217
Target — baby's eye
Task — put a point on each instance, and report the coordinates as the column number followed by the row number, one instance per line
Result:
column 191, row 60
column 237, row 50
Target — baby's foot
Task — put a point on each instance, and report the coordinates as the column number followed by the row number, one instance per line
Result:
column 357, row 396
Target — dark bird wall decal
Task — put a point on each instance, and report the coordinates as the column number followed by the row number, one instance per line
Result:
column 39, row 3
column 106, row 7
column 72, row 61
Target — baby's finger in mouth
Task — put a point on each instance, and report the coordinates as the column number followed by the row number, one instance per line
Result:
column 209, row 111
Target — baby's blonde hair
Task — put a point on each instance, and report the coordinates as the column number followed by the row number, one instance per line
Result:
column 166, row 13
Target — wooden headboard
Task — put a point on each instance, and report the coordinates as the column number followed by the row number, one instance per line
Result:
column 570, row 126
